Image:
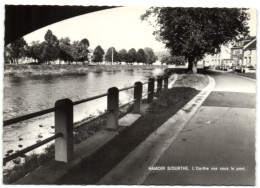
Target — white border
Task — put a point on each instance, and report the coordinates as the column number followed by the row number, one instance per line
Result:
column 175, row 3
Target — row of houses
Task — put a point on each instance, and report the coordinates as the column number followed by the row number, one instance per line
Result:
column 242, row 54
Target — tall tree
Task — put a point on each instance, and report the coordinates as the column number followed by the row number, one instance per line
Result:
column 150, row 57
column 65, row 49
column 50, row 47
column 132, row 55
column 141, row 56
column 98, row 54
column 108, row 56
column 123, row 55
column 36, row 51
column 16, row 50
column 85, row 42
column 196, row 32
column 79, row 52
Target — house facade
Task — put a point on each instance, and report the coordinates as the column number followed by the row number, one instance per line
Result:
column 244, row 52
column 216, row 60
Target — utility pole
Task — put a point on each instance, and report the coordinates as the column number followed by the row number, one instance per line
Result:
column 112, row 55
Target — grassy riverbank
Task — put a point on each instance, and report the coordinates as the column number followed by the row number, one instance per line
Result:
column 68, row 70
column 167, row 104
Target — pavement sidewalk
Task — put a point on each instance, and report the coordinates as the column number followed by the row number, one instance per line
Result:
column 133, row 169
column 208, row 142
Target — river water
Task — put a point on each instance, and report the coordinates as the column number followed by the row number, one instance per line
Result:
column 23, row 95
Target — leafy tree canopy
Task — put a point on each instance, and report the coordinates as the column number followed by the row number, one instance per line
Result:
column 16, row 50
column 111, row 52
column 173, row 60
column 98, row 54
column 65, row 49
column 85, row 42
column 195, row 32
column 141, row 56
column 150, row 57
column 123, row 55
column 50, row 38
column 132, row 55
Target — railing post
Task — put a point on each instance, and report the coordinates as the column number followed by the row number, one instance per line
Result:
column 165, row 82
column 159, row 85
column 150, row 90
column 112, row 108
column 64, row 125
column 138, row 97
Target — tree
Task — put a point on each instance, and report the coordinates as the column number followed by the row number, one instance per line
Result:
column 65, row 49
column 16, row 50
column 85, row 42
column 108, row 56
column 173, row 60
column 150, row 57
column 98, row 54
column 132, row 55
column 196, row 32
column 79, row 51
column 50, row 47
column 122, row 55
column 36, row 51
column 141, row 56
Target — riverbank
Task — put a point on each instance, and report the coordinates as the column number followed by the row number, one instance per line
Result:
column 69, row 70
column 160, row 110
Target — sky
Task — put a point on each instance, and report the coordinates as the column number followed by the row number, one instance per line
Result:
column 117, row 27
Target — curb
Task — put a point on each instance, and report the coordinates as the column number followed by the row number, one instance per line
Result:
column 175, row 78
column 133, row 169
column 243, row 77
column 234, row 75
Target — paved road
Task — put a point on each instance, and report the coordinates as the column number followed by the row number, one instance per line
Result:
column 217, row 146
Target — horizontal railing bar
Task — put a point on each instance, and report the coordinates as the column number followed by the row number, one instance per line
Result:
column 127, row 103
column 146, row 94
column 126, row 88
column 78, row 125
column 89, row 99
column 146, row 82
column 28, row 116
column 30, row 148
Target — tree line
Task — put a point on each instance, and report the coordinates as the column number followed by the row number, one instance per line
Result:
column 53, row 49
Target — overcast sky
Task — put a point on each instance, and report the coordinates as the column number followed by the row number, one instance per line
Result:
column 117, row 27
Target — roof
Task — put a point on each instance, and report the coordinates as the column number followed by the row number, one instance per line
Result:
column 248, row 38
column 249, row 42
column 251, row 46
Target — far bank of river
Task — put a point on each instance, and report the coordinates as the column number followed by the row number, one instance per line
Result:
column 21, row 70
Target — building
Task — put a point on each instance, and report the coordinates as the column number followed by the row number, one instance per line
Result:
column 216, row 60
column 227, row 62
column 244, row 52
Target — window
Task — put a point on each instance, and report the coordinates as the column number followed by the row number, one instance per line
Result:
column 245, row 60
column 249, row 60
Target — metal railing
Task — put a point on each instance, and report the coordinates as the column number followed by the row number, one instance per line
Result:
column 63, row 117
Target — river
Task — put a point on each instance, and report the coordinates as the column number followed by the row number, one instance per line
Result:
column 23, row 95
